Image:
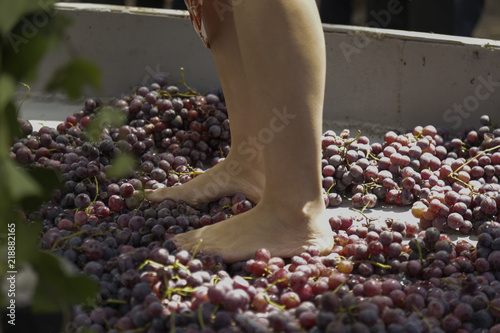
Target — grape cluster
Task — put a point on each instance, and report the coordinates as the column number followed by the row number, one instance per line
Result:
column 428, row 284
column 451, row 183
column 381, row 275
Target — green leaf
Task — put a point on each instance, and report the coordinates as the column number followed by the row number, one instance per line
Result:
column 58, row 287
column 30, row 234
column 22, row 55
column 28, row 90
column 18, row 182
column 22, row 49
column 73, row 77
column 14, row 129
column 122, row 166
column 107, row 116
column 12, row 11
column 58, row 290
column 8, row 89
column 30, row 187
column 49, row 179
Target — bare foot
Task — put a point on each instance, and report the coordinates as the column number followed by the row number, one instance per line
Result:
column 226, row 178
column 285, row 231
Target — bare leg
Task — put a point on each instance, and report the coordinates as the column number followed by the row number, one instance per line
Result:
column 243, row 169
column 283, row 52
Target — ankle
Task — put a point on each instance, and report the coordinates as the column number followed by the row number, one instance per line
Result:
column 292, row 211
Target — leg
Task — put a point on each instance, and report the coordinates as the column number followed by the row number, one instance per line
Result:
column 243, row 169
column 283, row 52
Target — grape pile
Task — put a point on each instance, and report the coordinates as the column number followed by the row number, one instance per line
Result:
column 381, row 276
column 452, row 183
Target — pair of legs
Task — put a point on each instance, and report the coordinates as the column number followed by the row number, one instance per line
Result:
column 270, row 57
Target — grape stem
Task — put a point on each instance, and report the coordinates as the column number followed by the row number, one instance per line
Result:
column 489, row 306
column 347, row 145
column 166, row 94
column 56, row 243
column 96, row 195
column 373, row 263
column 450, row 281
column 339, row 286
column 327, row 192
column 137, row 209
column 227, row 206
column 150, row 262
column 183, row 82
column 115, row 301
column 274, row 283
column 268, row 300
column 200, row 318
column 178, row 265
column 25, row 96
column 363, row 214
column 475, row 157
column 172, row 322
column 426, row 321
column 420, row 253
column 196, row 249
column 192, row 173
column 214, row 280
column 214, row 310
column 181, row 291
column 418, row 135
column 469, row 186
column 368, row 186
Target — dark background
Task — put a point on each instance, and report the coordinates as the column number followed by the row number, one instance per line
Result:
column 437, row 16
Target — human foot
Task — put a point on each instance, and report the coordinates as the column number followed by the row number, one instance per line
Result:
column 285, row 231
column 226, row 178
